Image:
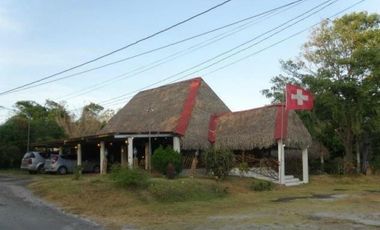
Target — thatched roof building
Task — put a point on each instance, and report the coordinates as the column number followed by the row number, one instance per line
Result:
column 182, row 108
column 258, row 128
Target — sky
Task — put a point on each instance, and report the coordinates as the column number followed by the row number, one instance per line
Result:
column 39, row 38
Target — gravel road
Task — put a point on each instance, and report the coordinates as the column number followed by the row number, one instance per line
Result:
column 19, row 209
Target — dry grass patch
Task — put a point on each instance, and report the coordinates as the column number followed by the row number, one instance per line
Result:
column 164, row 205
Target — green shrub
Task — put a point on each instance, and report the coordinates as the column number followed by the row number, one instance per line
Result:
column 261, row 185
column 115, row 168
column 243, row 168
column 375, row 164
column 219, row 162
column 335, row 166
column 10, row 156
column 77, row 172
column 163, row 156
column 129, row 178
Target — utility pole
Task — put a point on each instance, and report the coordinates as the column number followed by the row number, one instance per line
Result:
column 149, row 110
column 28, row 142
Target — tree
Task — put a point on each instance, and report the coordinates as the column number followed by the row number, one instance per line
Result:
column 92, row 119
column 341, row 64
column 51, row 121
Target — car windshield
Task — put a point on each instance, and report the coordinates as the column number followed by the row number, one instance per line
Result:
column 46, row 155
column 29, row 155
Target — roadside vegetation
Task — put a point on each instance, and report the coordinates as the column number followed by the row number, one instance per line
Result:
column 192, row 202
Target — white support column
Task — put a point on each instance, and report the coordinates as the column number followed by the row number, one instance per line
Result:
column 103, row 168
column 305, row 166
column 60, row 150
column 281, row 162
column 176, row 144
column 79, row 155
column 130, row 152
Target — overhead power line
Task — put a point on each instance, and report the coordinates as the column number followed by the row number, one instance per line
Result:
column 282, row 40
column 119, row 49
column 300, row 18
column 171, row 57
column 263, row 49
column 33, row 85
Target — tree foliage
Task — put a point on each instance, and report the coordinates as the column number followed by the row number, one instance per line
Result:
column 162, row 157
column 340, row 64
column 219, row 162
column 47, row 122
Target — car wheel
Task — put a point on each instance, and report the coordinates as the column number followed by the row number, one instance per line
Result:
column 96, row 169
column 41, row 169
column 62, row 170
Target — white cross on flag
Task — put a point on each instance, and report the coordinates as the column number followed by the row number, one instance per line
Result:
column 298, row 98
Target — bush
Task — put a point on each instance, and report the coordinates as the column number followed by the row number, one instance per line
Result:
column 375, row 164
column 129, row 178
column 10, row 156
column 261, row 185
column 163, row 156
column 243, row 168
column 219, row 162
column 77, row 172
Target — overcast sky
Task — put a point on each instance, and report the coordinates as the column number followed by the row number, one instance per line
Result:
column 39, row 38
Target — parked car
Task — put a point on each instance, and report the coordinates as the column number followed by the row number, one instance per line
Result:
column 63, row 164
column 34, row 161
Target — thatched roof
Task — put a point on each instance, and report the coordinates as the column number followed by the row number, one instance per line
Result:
column 181, row 108
column 317, row 149
column 258, row 128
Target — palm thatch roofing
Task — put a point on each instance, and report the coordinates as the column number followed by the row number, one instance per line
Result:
column 182, row 108
column 259, row 128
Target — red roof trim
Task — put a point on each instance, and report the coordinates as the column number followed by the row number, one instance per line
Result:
column 281, row 125
column 212, row 128
column 188, row 106
column 249, row 110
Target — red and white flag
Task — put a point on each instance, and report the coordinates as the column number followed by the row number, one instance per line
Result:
column 298, row 98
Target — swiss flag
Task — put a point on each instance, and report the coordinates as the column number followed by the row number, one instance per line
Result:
column 298, row 98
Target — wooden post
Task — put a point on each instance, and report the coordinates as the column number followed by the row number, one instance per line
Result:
column 103, row 161
column 123, row 156
column 130, row 152
column 176, row 144
column 358, row 168
column 194, row 163
column 146, row 156
column 305, row 166
column 322, row 162
column 79, row 155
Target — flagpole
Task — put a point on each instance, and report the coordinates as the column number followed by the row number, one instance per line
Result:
column 281, row 173
column 282, row 114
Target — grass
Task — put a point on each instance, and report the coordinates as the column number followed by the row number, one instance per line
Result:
column 204, row 203
column 13, row 172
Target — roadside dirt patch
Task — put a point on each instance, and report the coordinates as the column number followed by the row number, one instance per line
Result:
column 290, row 198
column 372, row 220
column 328, row 197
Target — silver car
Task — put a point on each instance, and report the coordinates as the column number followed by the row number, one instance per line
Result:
column 67, row 163
column 34, row 162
